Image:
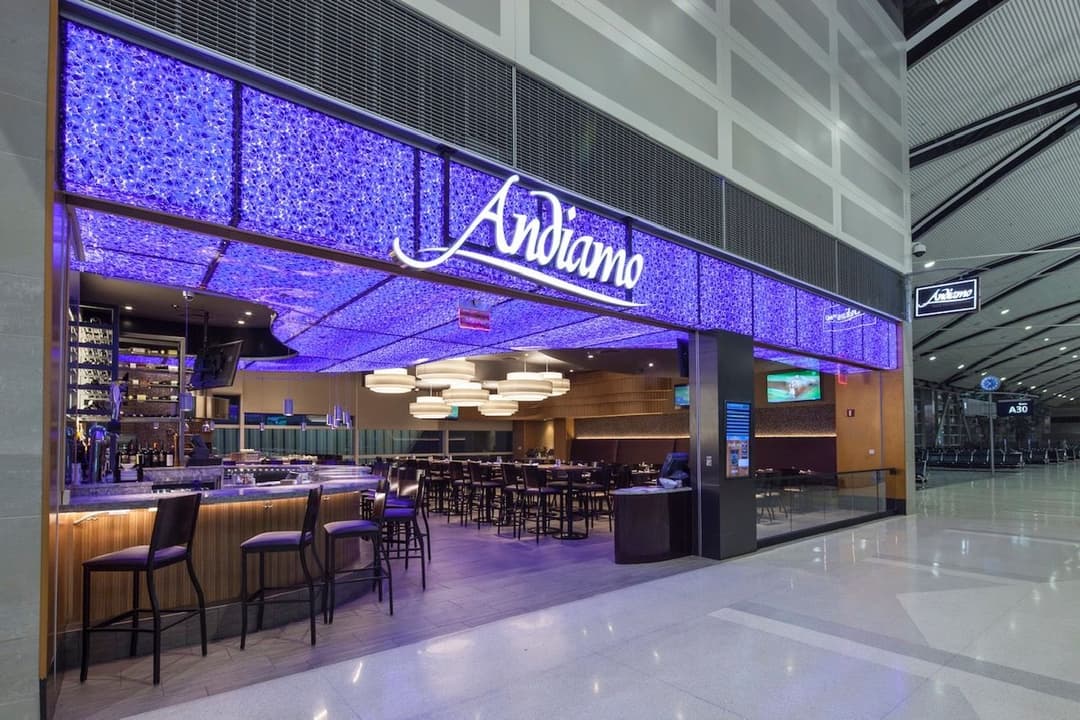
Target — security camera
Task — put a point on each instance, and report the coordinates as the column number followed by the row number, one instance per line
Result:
column 918, row 249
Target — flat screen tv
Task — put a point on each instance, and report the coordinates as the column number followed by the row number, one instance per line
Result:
column 682, row 395
column 215, row 366
column 793, row 386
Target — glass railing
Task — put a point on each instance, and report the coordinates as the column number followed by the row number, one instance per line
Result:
column 797, row 502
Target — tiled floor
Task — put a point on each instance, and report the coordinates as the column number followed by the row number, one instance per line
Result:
column 475, row 578
column 968, row 608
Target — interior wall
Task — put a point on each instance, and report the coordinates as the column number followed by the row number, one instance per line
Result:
column 895, row 430
column 25, row 332
column 313, row 393
column 859, row 439
column 798, row 434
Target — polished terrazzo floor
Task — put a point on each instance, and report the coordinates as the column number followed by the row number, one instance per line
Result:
column 968, row 608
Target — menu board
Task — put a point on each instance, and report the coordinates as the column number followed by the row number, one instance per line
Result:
column 737, row 424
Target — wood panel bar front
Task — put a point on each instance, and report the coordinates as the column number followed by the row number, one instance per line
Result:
column 216, row 552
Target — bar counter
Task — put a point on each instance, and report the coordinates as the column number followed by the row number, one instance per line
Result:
column 99, row 523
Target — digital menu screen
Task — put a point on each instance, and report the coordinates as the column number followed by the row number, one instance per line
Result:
column 737, row 424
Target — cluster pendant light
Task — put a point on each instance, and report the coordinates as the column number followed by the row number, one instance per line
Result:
column 429, row 408
column 469, row 394
column 559, row 384
column 446, row 373
column 525, row 386
column 498, row 406
column 392, row 381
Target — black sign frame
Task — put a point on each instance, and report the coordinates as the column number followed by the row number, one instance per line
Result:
column 927, row 304
column 1011, row 408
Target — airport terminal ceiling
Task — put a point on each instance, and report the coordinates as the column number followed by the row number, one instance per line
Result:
column 994, row 107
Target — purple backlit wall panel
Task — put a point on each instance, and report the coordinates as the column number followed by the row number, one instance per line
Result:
column 812, row 333
column 664, row 340
column 404, row 352
column 143, row 129
column 669, row 288
column 807, row 363
column 775, row 316
column 113, row 233
column 847, row 334
column 284, row 280
column 726, row 296
column 140, row 128
column 879, row 342
column 293, row 364
column 328, row 342
column 314, row 178
column 407, row 306
column 509, row 319
column 589, row 333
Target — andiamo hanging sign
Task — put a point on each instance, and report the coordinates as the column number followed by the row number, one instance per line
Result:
column 551, row 246
column 956, row 297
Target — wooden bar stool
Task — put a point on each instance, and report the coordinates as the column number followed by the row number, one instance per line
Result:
column 170, row 543
column 281, row 541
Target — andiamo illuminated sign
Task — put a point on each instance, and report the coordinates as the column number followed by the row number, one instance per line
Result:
column 551, row 245
column 955, row 297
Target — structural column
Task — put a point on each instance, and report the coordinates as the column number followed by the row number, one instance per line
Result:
column 721, row 371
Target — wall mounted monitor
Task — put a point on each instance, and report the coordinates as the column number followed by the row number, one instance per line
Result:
column 682, row 395
column 215, row 366
column 793, row 386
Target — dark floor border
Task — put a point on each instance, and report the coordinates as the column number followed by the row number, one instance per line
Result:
column 821, row 529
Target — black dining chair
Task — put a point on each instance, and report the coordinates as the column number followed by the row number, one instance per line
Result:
column 536, row 489
column 402, row 521
column 281, row 541
column 170, row 543
column 370, row 529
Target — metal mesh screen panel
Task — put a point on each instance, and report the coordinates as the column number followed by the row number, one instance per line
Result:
column 865, row 280
column 372, row 54
column 771, row 237
column 568, row 143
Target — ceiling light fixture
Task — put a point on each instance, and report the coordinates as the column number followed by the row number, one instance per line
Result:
column 929, row 264
column 932, row 358
column 248, row 313
column 525, row 386
column 129, row 308
column 1063, row 347
column 1027, row 327
column 470, row 394
column 446, row 373
column 1005, row 311
column 559, row 384
column 960, row 366
column 429, row 407
column 390, row 381
column 240, row 322
column 498, row 406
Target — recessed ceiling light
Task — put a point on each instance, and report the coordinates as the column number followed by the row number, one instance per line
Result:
column 240, row 321
column 248, row 312
column 960, row 366
column 571, row 369
column 1005, row 311
column 1027, row 327
column 1071, row 399
column 1046, row 339
column 129, row 308
column 1033, row 387
column 932, row 358
column 1044, row 389
column 1063, row 347
column 1004, row 379
column 982, row 374
column 929, row 264
column 651, row 364
column 590, row 356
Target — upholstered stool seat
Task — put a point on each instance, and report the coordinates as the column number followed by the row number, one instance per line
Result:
column 275, row 540
column 365, row 529
column 170, row 544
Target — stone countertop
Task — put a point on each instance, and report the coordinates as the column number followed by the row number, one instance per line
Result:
column 246, row 493
column 649, row 490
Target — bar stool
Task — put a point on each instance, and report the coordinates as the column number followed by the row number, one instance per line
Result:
column 281, row 541
column 403, row 516
column 370, row 530
column 170, row 543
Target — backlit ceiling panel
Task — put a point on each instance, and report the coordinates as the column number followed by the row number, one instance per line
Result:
column 146, row 130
